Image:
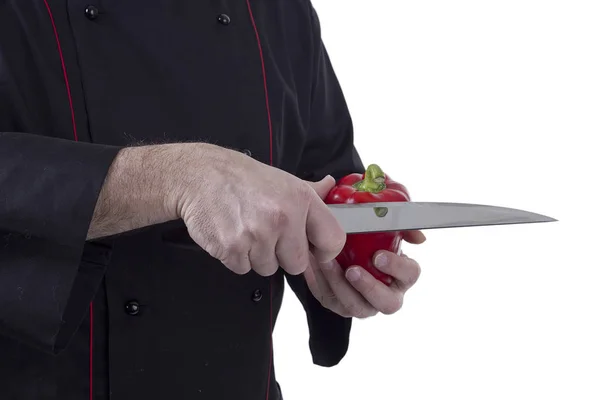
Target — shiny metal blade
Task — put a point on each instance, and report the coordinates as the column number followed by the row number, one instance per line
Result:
column 404, row 216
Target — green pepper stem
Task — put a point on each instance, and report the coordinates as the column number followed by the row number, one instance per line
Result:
column 374, row 181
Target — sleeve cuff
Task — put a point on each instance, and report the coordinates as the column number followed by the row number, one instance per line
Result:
column 48, row 273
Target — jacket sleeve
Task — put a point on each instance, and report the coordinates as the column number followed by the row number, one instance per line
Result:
column 330, row 150
column 48, row 273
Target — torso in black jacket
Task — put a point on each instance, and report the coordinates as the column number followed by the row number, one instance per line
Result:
column 137, row 316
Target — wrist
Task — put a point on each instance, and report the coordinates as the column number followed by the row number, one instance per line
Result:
column 154, row 175
column 140, row 185
column 184, row 168
column 144, row 186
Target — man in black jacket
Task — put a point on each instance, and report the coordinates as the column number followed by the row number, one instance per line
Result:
column 162, row 166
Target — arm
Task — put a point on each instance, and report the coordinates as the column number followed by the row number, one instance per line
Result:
column 56, row 194
column 132, row 197
column 330, row 150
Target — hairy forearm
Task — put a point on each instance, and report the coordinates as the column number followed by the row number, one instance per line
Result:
column 140, row 190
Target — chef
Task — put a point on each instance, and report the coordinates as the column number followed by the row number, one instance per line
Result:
column 162, row 170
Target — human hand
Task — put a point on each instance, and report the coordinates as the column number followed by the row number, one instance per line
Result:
column 355, row 292
column 251, row 216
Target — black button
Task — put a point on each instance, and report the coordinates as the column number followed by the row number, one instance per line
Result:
column 132, row 308
column 257, row 295
column 224, row 19
column 247, row 152
column 91, row 12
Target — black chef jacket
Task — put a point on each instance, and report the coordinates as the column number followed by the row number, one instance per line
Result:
column 137, row 316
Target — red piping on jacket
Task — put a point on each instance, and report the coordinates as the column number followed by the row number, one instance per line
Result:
column 62, row 61
column 76, row 138
column 91, row 350
column 264, row 73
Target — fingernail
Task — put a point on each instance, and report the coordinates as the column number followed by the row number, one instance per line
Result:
column 353, row 274
column 381, row 260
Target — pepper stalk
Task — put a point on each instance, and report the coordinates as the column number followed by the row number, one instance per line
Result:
column 373, row 182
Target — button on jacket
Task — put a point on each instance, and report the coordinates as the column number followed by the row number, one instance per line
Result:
column 137, row 316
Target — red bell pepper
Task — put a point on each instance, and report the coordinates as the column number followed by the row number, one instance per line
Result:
column 371, row 187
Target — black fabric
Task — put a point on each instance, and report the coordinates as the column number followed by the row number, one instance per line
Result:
column 164, row 71
column 329, row 150
column 49, row 191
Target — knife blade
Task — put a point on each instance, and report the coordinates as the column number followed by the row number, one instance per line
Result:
column 405, row 216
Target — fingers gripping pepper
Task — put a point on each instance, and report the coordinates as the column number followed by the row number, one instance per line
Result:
column 371, row 187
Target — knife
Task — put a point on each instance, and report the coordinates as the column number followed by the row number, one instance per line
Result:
column 406, row 216
column 403, row 216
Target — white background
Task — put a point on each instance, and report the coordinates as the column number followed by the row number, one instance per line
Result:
column 494, row 102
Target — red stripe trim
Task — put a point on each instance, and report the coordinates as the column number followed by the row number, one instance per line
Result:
column 264, row 73
column 64, row 68
column 91, row 350
column 270, row 333
column 76, row 138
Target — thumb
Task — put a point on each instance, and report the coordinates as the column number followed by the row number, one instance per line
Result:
column 324, row 186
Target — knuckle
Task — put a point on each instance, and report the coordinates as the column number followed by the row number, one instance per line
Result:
column 417, row 274
column 329, row 299
column 236, row 267
column 266, row 269
column 326, row 301
column 254, row 231
column 366, row 312
column 321, row 300
column 291, row 269
column 301, row 264
column 412, row 279
column 236, row 261
column 368, row 292
column 243, row 270
column 304, row 192
column 215, row 251
column 336, row 307
column 355, row 310
column 294, row 270
column 233, row 245
column 392, row 307
column 301, row 255
column 278, row 218
column 303, row 197
column 298, row 261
